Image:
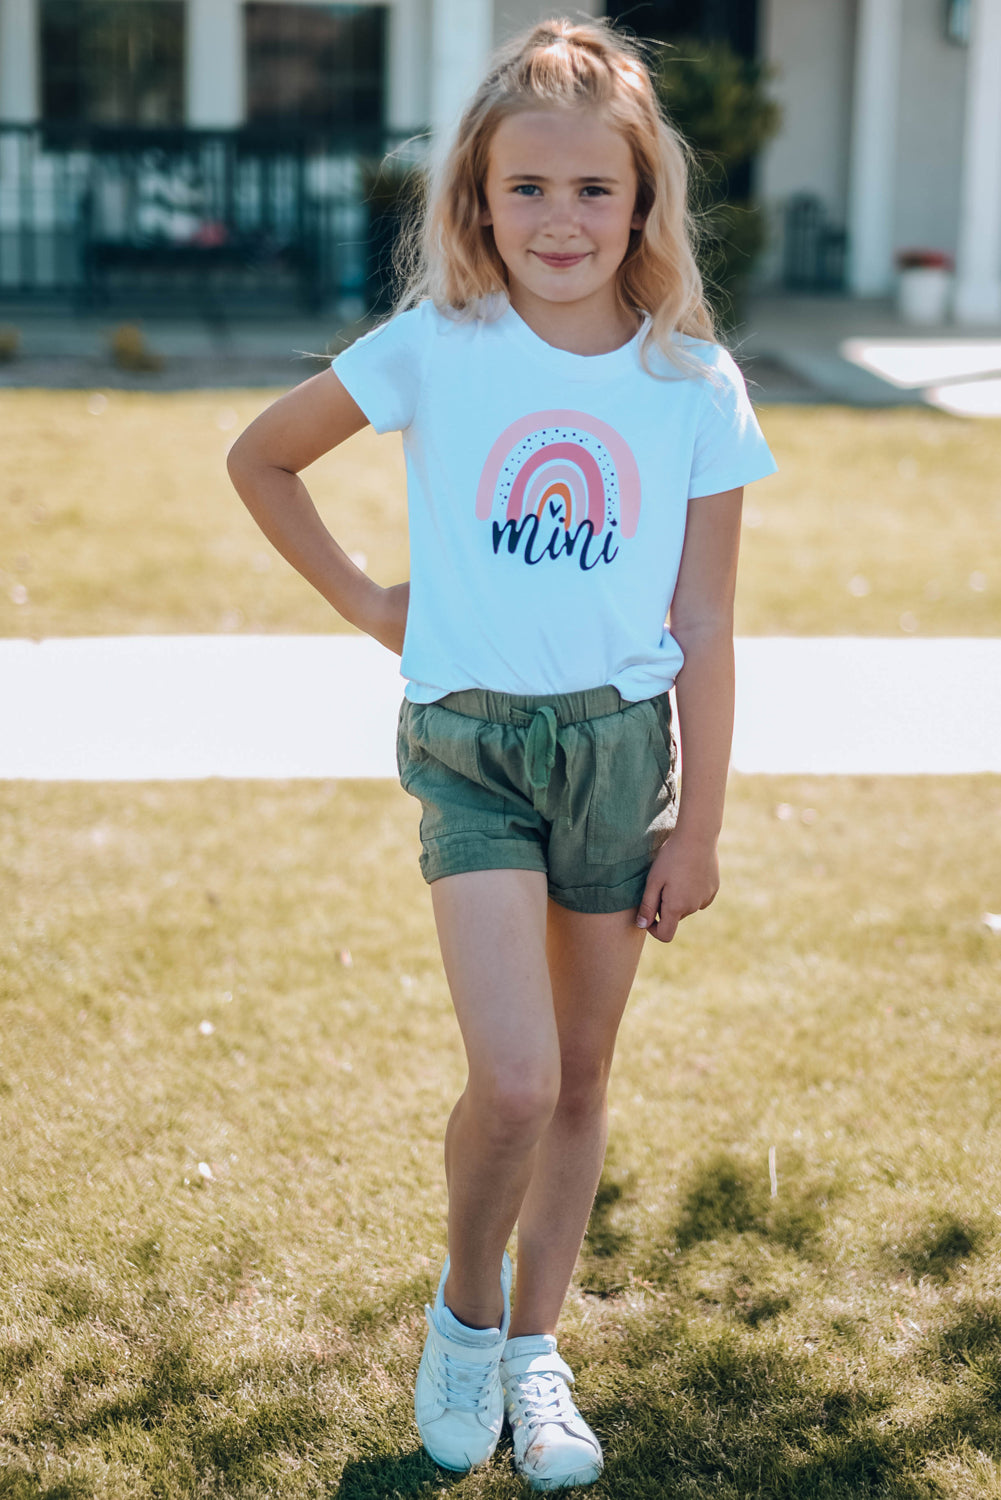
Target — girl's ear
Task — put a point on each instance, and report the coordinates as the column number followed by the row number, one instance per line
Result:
column 638, row 221
column 485, row 220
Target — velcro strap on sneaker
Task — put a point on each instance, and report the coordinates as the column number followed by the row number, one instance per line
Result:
column 470, row 1354
column 537, row 1364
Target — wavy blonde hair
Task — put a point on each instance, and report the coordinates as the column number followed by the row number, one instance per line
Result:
column 446, row 255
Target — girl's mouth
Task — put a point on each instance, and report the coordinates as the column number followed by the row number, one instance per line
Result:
column 560, row 260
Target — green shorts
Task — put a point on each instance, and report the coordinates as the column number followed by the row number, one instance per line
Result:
column 581, row 786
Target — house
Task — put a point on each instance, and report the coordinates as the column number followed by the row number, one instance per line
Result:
column 235, row 140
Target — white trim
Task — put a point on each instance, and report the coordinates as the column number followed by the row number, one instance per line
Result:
column 461, row 43
column 872, row 179
column 978, row 261
column 20, row 66
column 214, row 64
column 407, row 65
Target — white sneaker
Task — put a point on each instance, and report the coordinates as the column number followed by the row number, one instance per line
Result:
column 553, row 1445
column 458, row 1402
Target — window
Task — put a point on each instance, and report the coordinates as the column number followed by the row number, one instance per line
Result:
column 113, row 62
column 315, row 64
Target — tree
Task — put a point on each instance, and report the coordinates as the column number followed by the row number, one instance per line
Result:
column 718, row 101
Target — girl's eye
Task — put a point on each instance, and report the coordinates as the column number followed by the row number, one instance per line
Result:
column 596, row 188
column 524, row 189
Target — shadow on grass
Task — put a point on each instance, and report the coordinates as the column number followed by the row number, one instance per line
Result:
column 726, row 1196
column 734, row 1419
column 942, row 1247
column 195, row 1424
column 966, row 1354
column 695, row 1411
column 18, row 1484
column 602, row 1272
column 70, row 1295
column 405, row 1478
column 17, row 1356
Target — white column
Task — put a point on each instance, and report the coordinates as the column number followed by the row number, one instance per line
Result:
column 20, row 83
column 871, row 185
column 406, row 66
column 216, row 64
column 461, row 36
column 978, row 261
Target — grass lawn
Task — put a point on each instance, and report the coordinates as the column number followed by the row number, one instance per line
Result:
column 229, row 1056
column 117, row 516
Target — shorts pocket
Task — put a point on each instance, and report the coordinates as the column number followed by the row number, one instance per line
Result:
column 408, row 751
column 634, row 790
column 661, row 706
column 439, row 760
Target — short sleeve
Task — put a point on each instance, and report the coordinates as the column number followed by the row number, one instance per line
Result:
column 381, row 371
column 730, row 448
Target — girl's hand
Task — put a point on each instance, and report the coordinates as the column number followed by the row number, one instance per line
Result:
column 684, row 878
column 387, row 621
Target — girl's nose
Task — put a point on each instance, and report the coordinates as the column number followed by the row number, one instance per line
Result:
column 563, row 214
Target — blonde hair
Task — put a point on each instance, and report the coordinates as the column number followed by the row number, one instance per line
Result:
column 446, row 255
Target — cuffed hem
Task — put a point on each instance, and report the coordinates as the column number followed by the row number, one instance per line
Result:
column 595, row 899
column 461, row 854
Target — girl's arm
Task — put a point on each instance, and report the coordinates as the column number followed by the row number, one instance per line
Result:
column 264, row 465
column 685, row 875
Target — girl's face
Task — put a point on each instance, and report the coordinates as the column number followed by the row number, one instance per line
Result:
column 560, row 196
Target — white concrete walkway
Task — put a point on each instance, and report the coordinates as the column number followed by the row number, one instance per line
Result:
column 142, row 708
column 960, row 376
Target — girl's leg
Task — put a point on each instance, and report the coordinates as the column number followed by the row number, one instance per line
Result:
column 492, row 931
column 592, row 964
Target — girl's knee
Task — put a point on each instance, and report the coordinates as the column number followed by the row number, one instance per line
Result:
column 583, row 1085
column 513, row 1105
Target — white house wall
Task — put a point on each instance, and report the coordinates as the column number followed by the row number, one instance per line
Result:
column 810, row 45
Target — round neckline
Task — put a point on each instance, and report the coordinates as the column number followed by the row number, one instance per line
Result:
column 577, row 366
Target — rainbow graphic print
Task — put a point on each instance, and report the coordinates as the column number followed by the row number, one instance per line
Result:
column 560, row 484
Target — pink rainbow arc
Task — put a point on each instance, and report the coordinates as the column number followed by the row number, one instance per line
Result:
column 567, row 477
column 585, row 462
column 618, row 450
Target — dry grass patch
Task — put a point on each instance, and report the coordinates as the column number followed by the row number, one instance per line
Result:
column 117, row 517
column 881, row 522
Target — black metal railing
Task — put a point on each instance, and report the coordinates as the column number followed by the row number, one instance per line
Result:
column 218, row 218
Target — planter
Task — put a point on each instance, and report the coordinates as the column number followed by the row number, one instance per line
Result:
column 923, row 294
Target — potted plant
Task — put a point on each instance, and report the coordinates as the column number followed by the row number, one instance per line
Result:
column 923, row 285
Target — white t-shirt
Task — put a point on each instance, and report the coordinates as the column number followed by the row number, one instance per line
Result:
column 547, row 497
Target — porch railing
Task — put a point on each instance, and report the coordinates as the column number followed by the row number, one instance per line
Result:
column 94, row 216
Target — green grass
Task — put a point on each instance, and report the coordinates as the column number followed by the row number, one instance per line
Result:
column 124, row 521
column 256, row 1332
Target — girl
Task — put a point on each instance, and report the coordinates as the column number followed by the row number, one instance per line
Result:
column 576, row 445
